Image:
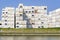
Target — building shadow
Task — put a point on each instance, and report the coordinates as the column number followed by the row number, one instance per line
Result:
column 25, row 17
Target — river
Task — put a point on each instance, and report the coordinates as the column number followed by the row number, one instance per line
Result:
column 29, row 37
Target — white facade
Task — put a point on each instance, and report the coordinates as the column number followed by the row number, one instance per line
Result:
column 55, row 18
column 8, row 17
column 31, row 16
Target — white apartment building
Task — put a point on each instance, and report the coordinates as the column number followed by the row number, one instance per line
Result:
column 8, row 17
column 31, row 16
column 54, row 18
column 1, row 24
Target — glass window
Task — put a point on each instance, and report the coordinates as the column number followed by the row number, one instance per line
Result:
column 5, row 20
column 26, row 11
column 32, row 15
column 32, row 11
column 33, row 23
column 44, row 8
column 42, row 26
column 0, row 24
column 17, row 26
column 23, row 13
column 32, row 7
column 17, row 23
column 6, row 12
column 20, row 14
column 5, row 23
column 20, row 6
column 38, row 26
column 29, row 11
column 42, row 22
column 38, row 18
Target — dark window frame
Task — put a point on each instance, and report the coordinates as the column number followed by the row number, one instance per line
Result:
column 32, row 15
column 32, row 7
column 32, row 11
column 17, row 26
column 20, row 14
column 5, row 23
column 26, row 11
column 38, row 18
column 29, row 11
column 38, row 26
column 0, row 23
column 21, row 6
column 5, row 20
column 42, row 26
column 6, row 12
column 33, row 23
column 45, row 8
column 17, row 23
column 42, row 22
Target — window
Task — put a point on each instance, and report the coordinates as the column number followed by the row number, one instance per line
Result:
column 0, row 24
column 42, row 26
column 5, row 20
column 32, row 7
column 42, row 22
column 32, row 15
column 17, row 23
column 6, row 12
column 5, row 23
column 32, row 11
column 44, row 8
column 23, row 13
column 26, row 11
column 33, row 23
column 20, row 14
column 38, row 18
column 17, row 26
column 20, row 6
column 38, row 26
column 35, row 11
column 29, row 11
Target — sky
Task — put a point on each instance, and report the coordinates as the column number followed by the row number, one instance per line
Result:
column 51, row 4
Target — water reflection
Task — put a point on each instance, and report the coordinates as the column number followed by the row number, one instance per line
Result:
column 29, row 37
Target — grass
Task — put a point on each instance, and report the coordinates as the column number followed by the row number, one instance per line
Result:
column 30, row 30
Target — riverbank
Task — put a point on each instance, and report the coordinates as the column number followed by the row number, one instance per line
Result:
column 29, row 31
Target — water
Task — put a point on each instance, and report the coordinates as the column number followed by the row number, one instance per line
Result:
column 29, row 37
